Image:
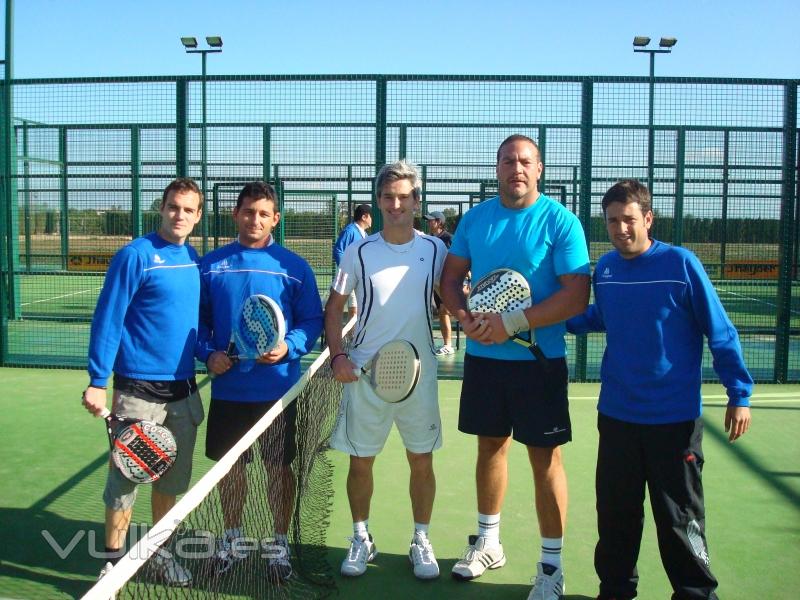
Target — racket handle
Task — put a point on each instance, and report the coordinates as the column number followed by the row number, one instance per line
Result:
column 537, row 352
column 104, row 413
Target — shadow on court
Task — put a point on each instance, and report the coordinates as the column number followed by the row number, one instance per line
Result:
column 42, row 547
column 773, row 479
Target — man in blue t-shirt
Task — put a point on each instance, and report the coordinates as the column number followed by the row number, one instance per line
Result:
column 505, row 390
column 655, row 303
column 241, row 393
column 144, row 331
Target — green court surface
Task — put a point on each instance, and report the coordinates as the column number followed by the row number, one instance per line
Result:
column 53, row 455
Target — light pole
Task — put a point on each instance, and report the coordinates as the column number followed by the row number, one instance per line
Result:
column 665, row 45
column 214, row 45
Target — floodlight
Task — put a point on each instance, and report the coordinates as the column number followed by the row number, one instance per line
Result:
column 189, row 42
column 668, row 42
column 640, row 41
column 214, row 41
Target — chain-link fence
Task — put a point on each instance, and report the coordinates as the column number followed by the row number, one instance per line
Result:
column 92, row 156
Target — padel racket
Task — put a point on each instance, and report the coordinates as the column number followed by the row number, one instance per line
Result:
column 394, row 371
column 142, row 450
column 504, row 290
column 257, row 328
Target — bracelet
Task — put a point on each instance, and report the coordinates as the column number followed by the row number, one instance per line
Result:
column 335, row 356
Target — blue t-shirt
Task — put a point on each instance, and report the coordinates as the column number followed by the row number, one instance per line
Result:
column 542, row 242
column 655, row 310
column 145, row 323
column 228, row 276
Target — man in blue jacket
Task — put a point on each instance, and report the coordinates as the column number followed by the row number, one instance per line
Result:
column 144, row 330
column 255, row 264
column 655, row 304
column 357, row 230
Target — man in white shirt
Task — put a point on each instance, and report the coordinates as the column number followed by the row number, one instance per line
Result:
column 393, row 273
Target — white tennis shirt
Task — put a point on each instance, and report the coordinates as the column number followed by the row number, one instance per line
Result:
column 394, row 285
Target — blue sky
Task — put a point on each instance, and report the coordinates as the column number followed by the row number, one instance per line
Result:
column 716, row 38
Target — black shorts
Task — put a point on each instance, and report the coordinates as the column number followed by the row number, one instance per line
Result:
column 500, row 398
column 229, row 421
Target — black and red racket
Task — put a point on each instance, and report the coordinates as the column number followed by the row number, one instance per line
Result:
column 142, row 450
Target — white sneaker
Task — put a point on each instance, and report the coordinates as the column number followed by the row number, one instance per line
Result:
column 548, row 583
column 360, row 553
column 421, row 556
column 170, row 571
column 477, row 558
column 228, row 555
column 103, row 572
column 279, row 566
column 444, row 350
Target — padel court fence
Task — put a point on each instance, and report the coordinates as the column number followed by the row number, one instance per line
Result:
column 91, row 156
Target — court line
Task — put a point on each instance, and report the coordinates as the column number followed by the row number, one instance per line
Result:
column 770, row 304
column 771, row 398
column 60, row 297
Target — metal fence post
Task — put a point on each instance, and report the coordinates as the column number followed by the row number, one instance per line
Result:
column 785, row 228
column 585, row 212
column 380, row 144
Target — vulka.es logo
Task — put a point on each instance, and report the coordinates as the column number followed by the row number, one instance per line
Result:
column 196, row 544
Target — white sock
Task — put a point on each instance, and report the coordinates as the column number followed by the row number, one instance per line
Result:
column 360, row 529
column 551, row 551
column 489, row 529
column 421, row 529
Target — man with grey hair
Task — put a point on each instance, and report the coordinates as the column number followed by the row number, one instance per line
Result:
column 394, row 272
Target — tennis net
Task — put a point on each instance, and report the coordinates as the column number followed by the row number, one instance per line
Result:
column 279, row 479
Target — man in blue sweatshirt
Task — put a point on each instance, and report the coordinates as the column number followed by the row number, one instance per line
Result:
column 144, row 330
column 241, row 395
column 655, row 304
column 357, row 230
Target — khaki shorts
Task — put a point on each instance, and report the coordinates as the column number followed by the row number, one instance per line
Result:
column 182, row 418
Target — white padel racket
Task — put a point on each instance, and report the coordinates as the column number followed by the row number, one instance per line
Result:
column 394, row 371
column 504, row 290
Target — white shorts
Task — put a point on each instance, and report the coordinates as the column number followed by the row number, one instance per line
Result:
column 364, row 420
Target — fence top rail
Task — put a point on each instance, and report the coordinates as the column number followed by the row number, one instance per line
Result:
column 412, row 78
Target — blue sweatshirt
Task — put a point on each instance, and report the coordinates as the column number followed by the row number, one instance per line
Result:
column 145, row 323
column 228, row 276
column 655, row 310
column 351, row 233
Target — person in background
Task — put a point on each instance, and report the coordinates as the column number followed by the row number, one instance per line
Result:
column 436, row 225
column 356, row 230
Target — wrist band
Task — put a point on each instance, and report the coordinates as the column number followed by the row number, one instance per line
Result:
column 335, row 356
column 515, row 321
